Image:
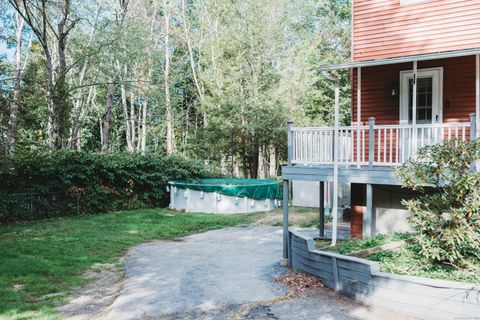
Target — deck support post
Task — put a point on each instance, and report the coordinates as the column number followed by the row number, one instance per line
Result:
column 368, row 216
column 321, row 220
column 284, row 260
column 290, row 142
column 371, row 141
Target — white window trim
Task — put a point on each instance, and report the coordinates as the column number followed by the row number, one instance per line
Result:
column 408, row 74
column 407, row 2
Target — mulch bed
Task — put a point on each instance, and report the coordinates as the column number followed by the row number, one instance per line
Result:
column 299, row 282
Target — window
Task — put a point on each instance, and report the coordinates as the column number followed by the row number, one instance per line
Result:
column 405, row 2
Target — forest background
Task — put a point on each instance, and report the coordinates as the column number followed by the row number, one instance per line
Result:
column 215, row 80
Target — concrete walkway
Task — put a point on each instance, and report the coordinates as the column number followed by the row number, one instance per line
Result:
column 221, row 274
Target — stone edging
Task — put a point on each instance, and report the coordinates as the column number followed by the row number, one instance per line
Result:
column 361, row 279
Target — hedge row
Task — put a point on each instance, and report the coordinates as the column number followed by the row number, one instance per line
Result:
column 67, row 183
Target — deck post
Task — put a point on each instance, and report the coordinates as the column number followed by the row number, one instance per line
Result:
column 473, row 126
column 368, row 216
column 284, row 260
column 290, row 142
column 321, row 222
column 414, row 108
column 359, row 112
column 371, row 141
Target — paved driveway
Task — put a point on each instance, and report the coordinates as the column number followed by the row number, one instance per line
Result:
column 221, row 274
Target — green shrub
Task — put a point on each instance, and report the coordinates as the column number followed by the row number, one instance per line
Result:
column 67, row 183
column 447, row 221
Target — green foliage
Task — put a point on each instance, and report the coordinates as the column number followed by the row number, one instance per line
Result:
column 50, row 256
column 407, row 261
column 447, row 220
column 355, row 244
column 100, row 182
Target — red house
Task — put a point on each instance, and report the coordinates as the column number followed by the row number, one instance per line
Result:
column 409, row 57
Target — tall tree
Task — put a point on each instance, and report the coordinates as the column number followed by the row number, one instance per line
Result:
column 52, row 22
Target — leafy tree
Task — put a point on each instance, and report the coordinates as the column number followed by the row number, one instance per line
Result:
column 447, row 220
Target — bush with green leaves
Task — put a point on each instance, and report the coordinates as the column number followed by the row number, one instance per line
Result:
column 68, row 183
column 446, row 214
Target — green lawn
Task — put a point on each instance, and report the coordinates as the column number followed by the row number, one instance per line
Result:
column 47, row 257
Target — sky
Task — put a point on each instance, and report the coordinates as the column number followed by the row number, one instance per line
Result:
column 6, row 51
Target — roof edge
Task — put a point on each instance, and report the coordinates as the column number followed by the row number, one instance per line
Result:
column 419, row 57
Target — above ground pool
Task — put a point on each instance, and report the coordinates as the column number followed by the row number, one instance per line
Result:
column 224, row 195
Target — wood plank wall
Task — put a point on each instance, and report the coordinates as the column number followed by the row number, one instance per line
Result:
column 361, row 279
column 386, row 28
column 458, row 90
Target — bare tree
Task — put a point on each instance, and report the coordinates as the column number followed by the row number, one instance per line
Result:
column 168, row 104
column 43, row 23
column 19, row 66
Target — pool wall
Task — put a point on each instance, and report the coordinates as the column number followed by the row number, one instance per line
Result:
column 212, row 202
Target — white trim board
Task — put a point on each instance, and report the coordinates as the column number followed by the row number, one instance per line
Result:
column 437, row 99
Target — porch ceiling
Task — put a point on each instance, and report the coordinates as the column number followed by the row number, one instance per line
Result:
column 420, row 57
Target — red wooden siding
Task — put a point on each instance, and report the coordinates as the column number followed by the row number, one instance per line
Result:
column 386, row 29
column 458, row 90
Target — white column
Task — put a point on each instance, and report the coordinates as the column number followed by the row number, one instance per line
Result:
column 414, row 94
column 359, row 112
column 335, row 164
column 414, row 109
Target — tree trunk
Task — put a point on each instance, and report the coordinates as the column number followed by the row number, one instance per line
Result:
column 261, row 163
column 132, row 121
column 254, row 166
column 272, row 172
column 190, row 50
column 12, row 122
column 128, row 131
column 107, row 118
column 168, row 106
column 143, row 138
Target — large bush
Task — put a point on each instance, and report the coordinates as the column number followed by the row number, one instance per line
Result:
column 447, row 220
column 66, row 183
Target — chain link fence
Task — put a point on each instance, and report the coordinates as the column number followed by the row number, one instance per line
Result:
column 28, row 206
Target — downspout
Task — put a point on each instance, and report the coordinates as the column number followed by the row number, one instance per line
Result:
column 335, row 164
column 335, row 156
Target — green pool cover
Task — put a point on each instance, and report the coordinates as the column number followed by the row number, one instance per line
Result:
column 251, row 188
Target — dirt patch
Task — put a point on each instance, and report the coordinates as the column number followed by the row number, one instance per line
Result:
column 298, row 282
column 299, row 217
column 93, row 301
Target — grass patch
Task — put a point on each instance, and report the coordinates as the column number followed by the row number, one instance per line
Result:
column 48, row 257
column 301, row 217
column 355, row 244
column 404, row 260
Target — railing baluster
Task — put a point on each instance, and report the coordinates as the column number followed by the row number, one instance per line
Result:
column 364, row 147
column 397, row 150
column 379, row 133
column 385, row 145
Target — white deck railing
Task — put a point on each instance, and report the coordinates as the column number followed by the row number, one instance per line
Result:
column 390, row 145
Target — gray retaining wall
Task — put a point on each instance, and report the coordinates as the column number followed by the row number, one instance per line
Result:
column 361, row 279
